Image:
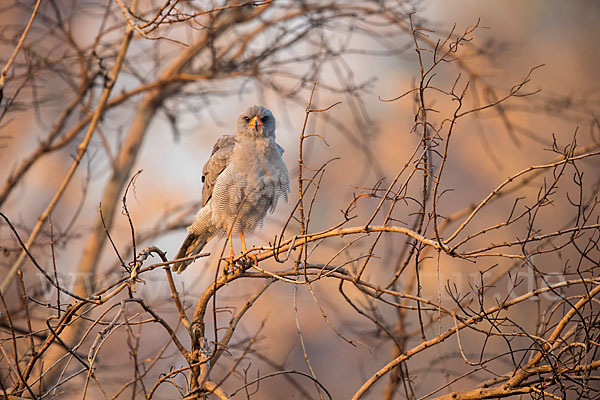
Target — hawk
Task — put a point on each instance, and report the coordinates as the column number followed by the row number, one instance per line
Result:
column 243, row 179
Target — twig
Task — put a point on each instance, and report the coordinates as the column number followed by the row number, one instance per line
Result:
column 13, row 55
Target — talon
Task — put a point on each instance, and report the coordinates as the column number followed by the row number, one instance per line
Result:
column 229, row 266
column 241, row 265
column 251, row 260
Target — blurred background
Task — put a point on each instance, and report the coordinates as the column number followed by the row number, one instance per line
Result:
column 358, row 62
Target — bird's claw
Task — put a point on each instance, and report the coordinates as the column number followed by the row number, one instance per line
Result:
column 229, row 266
column 248, row 261
column 240, row 265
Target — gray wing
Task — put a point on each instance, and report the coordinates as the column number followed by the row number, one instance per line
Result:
column 201, row 230
column 280, row 149
column 219, row 159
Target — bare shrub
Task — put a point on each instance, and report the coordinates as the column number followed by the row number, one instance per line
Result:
column 401, row 266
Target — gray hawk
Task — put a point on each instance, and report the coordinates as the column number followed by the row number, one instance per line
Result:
column 243, row 179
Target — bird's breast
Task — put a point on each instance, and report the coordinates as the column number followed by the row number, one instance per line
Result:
column 250, row 186
column 256, row 159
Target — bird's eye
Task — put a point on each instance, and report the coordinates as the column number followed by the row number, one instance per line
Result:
column 265, row 118
column 247, row 119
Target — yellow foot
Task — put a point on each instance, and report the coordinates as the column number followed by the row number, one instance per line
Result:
column 229, row 266
column 249, row 261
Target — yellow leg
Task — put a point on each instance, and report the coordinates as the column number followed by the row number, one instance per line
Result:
column 243, row 241
column 229, row 260
column 251, row 256
column 230, row 240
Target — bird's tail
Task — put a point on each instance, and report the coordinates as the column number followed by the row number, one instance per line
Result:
column 193, row 244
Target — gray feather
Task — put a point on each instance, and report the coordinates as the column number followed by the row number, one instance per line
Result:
column 193, row 244
column 243, row 180
column 219, row 159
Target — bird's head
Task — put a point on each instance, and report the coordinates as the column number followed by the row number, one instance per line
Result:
column 256, row 121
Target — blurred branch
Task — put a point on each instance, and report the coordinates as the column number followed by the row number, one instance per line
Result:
column 81, row 149
column 13, row 55
column 413, row 264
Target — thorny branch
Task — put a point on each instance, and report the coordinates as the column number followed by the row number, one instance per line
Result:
column 487, row 293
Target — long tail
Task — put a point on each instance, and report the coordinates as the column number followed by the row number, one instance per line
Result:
column 193, row 244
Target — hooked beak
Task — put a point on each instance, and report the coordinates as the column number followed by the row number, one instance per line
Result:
column 255, row 122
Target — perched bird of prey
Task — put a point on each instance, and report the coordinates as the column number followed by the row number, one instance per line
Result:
column 243, row 179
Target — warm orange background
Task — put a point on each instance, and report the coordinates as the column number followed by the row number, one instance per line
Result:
column 561, row 35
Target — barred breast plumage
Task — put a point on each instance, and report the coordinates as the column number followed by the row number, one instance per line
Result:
column 244, row 178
